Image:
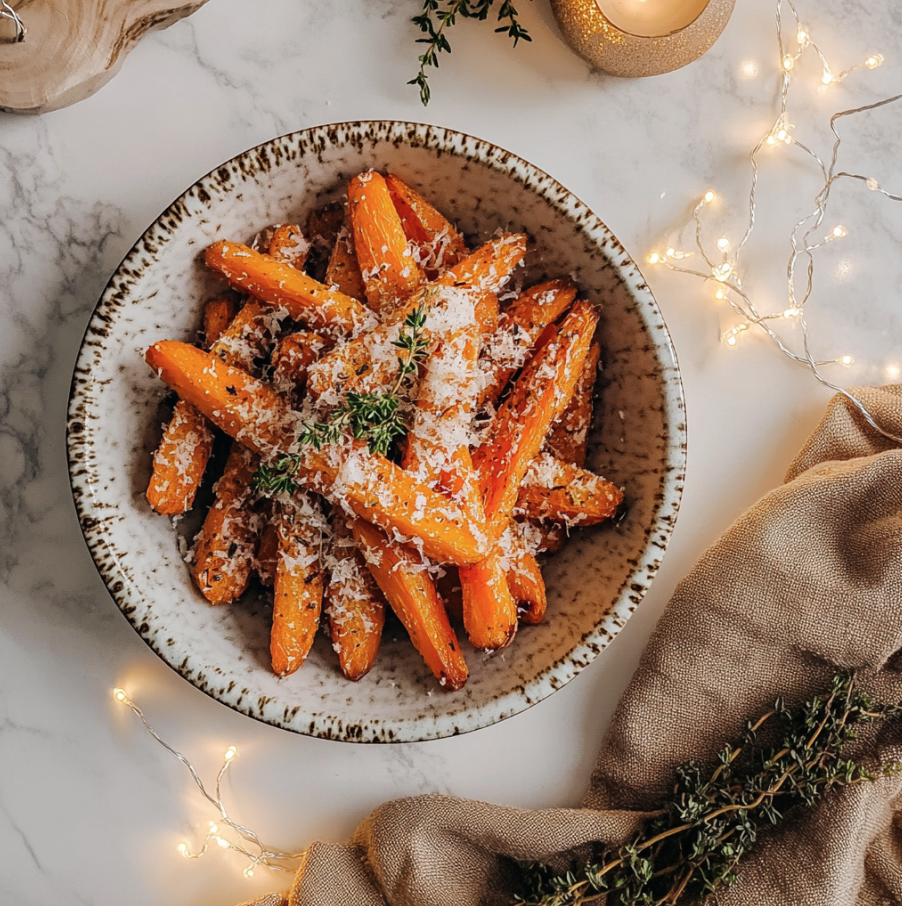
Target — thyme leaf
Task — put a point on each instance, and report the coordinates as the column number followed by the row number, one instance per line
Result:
column 693, row 845
column 378, row 418
column 439, row 15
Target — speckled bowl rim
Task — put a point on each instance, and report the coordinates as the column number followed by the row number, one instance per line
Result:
column 554, row 194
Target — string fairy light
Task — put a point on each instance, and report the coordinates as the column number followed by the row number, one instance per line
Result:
column 242, row 840
column 724, row 271
column 7, row 12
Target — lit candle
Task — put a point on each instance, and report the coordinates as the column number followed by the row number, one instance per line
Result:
column 651, row 18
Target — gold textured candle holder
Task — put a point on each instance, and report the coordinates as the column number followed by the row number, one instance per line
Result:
column 611, row 49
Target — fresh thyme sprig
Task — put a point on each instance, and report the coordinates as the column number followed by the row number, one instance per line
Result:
column 377, row 418
column 692, row 846
column 436, row 18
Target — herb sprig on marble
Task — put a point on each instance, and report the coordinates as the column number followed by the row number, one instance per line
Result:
column 692, row 846
column 378, row 418
column 439, row 15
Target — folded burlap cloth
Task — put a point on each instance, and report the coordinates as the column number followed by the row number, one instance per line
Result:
column 807, row 583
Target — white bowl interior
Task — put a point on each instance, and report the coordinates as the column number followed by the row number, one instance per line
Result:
column 637, row 441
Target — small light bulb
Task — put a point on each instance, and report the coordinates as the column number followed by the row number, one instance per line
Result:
column 709, row 196
column 839, row 232
column 230, row 753
column 872, row 184
column 671, row 252
column 828, row 78
column 183, row 849
column 732, row 340
column 654, row 258
column 874, row 60
column 720, row 294
column 723, row 272
column 248, row 872
column 791, row 313
column 119, row 695
column 771, row 140
column 788, row 62
column 781, row 135
column 223, row 843
column 723, row 244
column 214, row 827
column 847, row 360
column 802, row 37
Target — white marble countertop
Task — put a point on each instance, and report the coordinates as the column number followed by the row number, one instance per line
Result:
column 91, row 809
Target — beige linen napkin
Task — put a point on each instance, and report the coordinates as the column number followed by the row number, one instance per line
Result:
column 807, row 583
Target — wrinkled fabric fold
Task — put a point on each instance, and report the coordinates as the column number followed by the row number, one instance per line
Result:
column 805, row 584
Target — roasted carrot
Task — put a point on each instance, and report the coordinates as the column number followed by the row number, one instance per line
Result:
column 490, row 611
column 267, row 558
column 390, row 273
column 519, row 329
column 249, row 339
column 524, row 578
column 218, row 315
column 289, row 245
column 539, row 396
column 343, row 271
column 377, row 490
column 228, row 541
column 241, row 405
column 411, row 593
column 438, row 243
column 569, row 435
column 180, row 461
column 293, row 355
column 298, row 594
column 321, row 230
column 556, row 491
column 354, row 604
column 280, row 285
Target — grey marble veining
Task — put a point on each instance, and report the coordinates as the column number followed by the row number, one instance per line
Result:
column 91, row 810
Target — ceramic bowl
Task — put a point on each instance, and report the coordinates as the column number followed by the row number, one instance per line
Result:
column 115, row 409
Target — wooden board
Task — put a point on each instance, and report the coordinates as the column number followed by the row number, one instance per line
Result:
column 74, row 47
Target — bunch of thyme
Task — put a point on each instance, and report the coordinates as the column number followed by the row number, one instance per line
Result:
column 436, row 18
column 377, row 418
column 693, row 844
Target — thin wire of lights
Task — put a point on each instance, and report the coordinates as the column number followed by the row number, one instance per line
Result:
column 245, row 841
column 723, row 269
column 7, row 12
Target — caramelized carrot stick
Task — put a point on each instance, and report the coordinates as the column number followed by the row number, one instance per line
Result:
column 541, row 393
column 289, row 245
column 556, row 491
column 568, row 439
column 280, row 285
column 218, row 315
column 490, row 610
column 250, row 337
column 387, row 265
column 298, row 595
column 227, row 543
column 293, row 355
column 438, row 242
column 411, row 593
column 268, row 551
column 343, row 271
column 524, row 578
column 519, row 329
column 181, row 459
column 354, row 605
column 255, row 414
